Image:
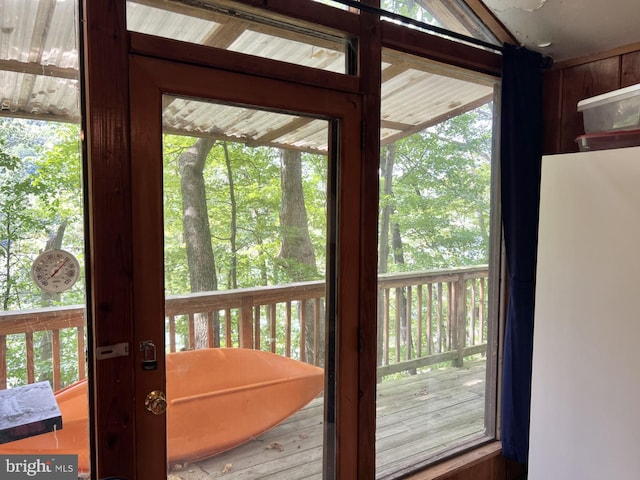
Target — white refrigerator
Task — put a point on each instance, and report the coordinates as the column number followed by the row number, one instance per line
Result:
column 585, row 399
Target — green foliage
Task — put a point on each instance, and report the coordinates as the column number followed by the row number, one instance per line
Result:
column 441, row 193
column 256, row 180
column 440, row 202
column 410, row 9
column 40, row 189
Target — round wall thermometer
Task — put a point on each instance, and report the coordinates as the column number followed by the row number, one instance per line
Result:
column 55, row 271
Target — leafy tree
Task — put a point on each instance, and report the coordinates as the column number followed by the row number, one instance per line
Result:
column 40, row 182
column 416, row 9
column 441, row 193
column 435, row 201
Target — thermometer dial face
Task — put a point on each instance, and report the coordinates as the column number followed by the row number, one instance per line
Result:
column 55, row 271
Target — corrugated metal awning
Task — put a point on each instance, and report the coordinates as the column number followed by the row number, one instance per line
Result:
column 39, row 73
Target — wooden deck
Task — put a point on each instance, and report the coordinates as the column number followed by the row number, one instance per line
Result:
column 417, row 418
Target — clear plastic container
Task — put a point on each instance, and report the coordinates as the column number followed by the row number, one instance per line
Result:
column 612, row 111
column 608, row 140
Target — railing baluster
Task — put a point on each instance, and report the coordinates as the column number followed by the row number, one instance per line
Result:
column 387, row 321
column 227, row 329
column 472, row 283
column 210, row 331
column 3, row 362
column 245, row 324
column 55, row 357
column 172, row 333
column 440, row 319
column 397, row 319
column 81, row 354
column 272, row 320
column 429, row 318
column 288, row 329
column 30, row 364
column 407, row 319
column 459, row 319
column 256, row 327
column 317, row 308
column 481, row 310
column 419, row 320
column 192, row 332
column 450, row 316
column 303, row 331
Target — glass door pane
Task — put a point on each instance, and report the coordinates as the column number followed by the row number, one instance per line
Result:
column 245, row 256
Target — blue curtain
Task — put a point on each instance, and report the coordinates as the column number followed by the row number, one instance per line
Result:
column 520, row 152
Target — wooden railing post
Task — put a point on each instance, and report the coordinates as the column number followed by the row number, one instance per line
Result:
column 245, row 323
column 459, row 319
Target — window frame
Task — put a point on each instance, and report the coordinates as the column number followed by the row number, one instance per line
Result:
column 106, row 47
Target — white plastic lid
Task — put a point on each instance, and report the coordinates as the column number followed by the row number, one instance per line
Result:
column 608, row 97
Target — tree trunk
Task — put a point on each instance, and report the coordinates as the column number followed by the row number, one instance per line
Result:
column 233, row 270
column 296, row 256
column 398, row 258
column 296, row 251
column 6, row 294
column 386, row 168
column 197, row 231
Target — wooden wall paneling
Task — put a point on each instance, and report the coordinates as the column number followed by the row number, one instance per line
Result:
column 630, row 71
column 514, row 470
column 580, row 82
column 484, row 463
column 552, row 111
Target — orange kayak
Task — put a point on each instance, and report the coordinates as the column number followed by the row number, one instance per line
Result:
column 217, row 398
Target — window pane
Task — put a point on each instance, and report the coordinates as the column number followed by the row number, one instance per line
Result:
column 436, row 305
column 331, row 3
column 43, row 388
column 240, row 32
column 453, row 15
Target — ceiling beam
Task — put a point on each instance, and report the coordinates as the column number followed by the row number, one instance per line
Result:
column 491, row 21
column 432, row 121
column 33, row 68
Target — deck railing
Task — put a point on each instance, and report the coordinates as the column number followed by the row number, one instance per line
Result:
column 424, row 318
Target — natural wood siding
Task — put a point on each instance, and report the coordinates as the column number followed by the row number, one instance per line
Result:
column 480, row 464
column 566, row 84
column 552, row 111
column 630, row 74
column 584, row 81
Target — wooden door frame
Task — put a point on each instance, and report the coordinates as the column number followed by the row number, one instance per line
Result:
column 150, row 78
column 105, row 47
column 109, row 262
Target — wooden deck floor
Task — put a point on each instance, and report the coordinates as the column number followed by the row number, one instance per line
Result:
column 417, row 417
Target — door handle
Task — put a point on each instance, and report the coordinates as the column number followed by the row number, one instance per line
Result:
column 156, row 402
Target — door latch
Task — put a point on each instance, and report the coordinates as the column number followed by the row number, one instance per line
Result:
column 111, row 351
column 149, row 360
